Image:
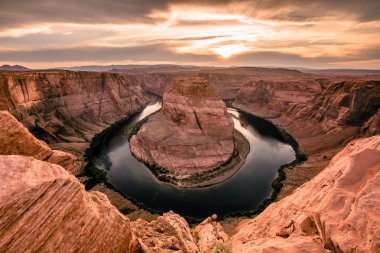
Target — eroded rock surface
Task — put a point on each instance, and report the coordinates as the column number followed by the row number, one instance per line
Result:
column 15, row 139
column 192, row 133
column 45, row 209
column 167, row 233
column 66, row 109
column 322, row 122
column 209, row 234
column 337, row 210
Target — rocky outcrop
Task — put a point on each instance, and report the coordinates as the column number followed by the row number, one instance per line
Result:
column 45, row 209
column 192, row 134
column 66, row 109
column 168, row 233
column 337, row 210
column 347, row 103
column 15, row 139
column 209, row 234
column 171, row 233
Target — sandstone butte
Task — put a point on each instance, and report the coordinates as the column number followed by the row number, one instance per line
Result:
column 192, row 133
column 43, row 208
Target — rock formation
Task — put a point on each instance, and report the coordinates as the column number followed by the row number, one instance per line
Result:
column 168, row 233
column 45, row 209
column 66, row 109
column 209, row 234
column 347, row 103
column 337, row 210
column 227, row 81
column 270, row 99
column 192, row 133
column 15, row 139
column 322, row 122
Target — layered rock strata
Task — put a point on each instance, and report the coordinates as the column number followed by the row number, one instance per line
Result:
column 228, row 81
column 66, row 109
column 336, row 211
column 322, row 123
column 192, row 133
column 15, row 139
column 45, row 209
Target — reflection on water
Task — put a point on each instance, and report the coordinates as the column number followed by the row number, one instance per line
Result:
column 242, row 192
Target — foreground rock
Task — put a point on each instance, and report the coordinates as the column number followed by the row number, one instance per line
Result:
column 66, row 109
column 209, row 234
column 337, row 210
column 15, row 139
column 45, row 209
column 192, row 134
column 168, row 233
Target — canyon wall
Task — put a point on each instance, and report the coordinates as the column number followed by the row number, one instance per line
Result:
column 347, row 103
column 15, row 139
column 228, row 81
column 66, row 109
column 322, row 122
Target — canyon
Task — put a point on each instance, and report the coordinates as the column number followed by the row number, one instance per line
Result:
column 66, row 109
column 328, row 203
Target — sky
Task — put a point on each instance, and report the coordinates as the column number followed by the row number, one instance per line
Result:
column 293, row 33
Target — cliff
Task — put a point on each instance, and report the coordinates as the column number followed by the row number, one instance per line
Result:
column 66, row 109
column 191, row 134
column 15, row 139
column 271, row 99
column 337, row 210
column 321, row 122
column 228, row 81
column 45, row 209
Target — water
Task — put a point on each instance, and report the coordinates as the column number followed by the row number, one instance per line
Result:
column 242, row 192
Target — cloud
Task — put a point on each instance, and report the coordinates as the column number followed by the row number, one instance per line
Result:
column 250, row 32
column 18, row 13
column 160, row 53
column 155, row 52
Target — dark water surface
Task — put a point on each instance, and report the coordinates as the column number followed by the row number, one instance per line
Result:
column 242, row 192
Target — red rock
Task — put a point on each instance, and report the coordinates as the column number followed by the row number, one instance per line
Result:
column 66, row 109
column 208, row 234
column 15, row 139
column 45, row 209
column 337, row 210
column 193, row 132
column 167, row 233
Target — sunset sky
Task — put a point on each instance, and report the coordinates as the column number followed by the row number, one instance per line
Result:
column 294, row 33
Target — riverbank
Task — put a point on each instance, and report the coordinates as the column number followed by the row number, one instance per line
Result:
column 211, row 177
column 312, row 142
column 130, row 209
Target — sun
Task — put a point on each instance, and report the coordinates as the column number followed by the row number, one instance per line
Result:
column 227, row 51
